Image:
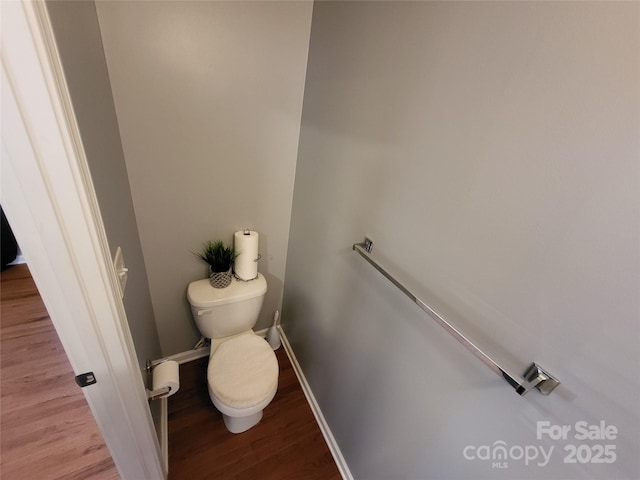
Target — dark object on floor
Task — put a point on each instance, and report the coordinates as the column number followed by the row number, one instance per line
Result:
column 9, row 248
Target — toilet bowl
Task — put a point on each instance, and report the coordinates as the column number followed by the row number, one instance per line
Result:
column 242, row 378
column 242, row 375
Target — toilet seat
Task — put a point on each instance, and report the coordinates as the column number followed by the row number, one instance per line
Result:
column 243, row 372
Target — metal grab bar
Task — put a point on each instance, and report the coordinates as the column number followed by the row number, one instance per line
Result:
column 535, row 376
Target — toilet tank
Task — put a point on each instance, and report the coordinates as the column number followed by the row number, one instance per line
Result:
column 221, row 312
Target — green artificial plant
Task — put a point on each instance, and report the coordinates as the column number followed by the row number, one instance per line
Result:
column 219, row 257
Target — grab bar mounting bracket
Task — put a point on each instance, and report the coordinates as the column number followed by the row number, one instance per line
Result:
column 367, row 245
column 541, row 379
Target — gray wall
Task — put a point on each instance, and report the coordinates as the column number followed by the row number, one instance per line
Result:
column 77, row 35
column 491, row 151
column 209, row 98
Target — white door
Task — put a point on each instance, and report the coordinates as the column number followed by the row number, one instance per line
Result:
column 47, row 194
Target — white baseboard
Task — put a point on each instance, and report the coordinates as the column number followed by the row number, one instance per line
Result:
column 164, row 431
column 191, row 355
column 19, row 260
column 315, row 408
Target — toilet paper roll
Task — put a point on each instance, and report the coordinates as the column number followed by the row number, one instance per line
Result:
column 166, row 374
column 245, row 243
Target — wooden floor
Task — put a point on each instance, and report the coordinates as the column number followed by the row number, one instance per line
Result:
column 286, row 444
column 46, row 428
column 47, row 431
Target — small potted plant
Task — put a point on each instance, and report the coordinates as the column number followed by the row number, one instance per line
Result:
column 220, row 259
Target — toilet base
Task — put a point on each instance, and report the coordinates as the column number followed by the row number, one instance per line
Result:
column 241, row 424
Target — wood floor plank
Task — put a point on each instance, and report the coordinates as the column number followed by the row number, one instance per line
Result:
column 46, row 428
column 286, row 444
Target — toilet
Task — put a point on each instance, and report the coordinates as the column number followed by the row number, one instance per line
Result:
column 242, row 375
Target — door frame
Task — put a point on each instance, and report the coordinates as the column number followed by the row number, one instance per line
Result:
column 49, row 199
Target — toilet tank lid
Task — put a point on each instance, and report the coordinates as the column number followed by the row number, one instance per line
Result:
column 201, row 294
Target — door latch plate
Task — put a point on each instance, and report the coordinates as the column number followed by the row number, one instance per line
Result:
column 86, row 379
